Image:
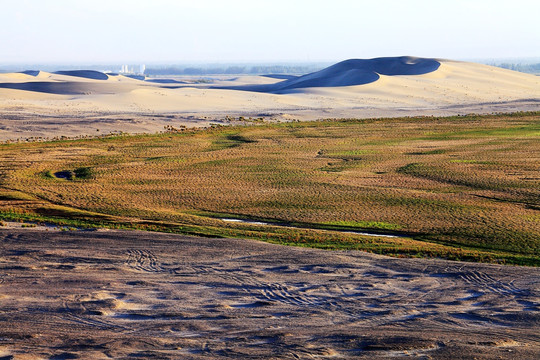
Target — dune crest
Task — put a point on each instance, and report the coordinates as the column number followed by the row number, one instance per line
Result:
column 352, row 72
column 87, row 74
column 31, row 72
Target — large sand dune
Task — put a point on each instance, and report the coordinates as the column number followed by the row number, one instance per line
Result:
column 351, row 72
column 117, row 294
column 382, row 87
column 65, row 87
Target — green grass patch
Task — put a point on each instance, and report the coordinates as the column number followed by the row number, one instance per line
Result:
column 469, row 161
column 16, row 195
column 365, row 224
column 429, row 152
column 83, row 173
column 228, row 140
column 292, row 237
column 47, row 174
column 528, row 130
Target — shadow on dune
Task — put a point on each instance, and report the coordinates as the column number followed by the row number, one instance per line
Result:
column 30, row 72
column 59, row 88
column 87, row 74
column 280, row 76
column 166, row 81
column 136, row 77
column 348, row 73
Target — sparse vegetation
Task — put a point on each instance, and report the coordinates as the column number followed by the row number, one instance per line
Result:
column 365, row 224
column 83, row 173
column 462, row 187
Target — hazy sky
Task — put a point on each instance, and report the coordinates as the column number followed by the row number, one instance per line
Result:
column 105, row 31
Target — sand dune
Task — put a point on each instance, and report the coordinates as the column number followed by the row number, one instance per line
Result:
column 280, row 76
column 65, row 88
column 353, row 72
column 31, row 72
column 31, row 75
column 88, row 74
column 382, row 87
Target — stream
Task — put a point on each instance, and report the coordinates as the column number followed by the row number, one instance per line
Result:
column 252, row 222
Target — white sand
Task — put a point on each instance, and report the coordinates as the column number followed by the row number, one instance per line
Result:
column 122, row 103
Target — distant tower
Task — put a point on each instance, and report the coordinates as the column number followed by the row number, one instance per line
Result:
column 142, row 69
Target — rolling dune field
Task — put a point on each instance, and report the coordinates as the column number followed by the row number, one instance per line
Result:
column 71, row 103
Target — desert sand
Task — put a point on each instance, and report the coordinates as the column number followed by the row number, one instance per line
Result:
column 119, row 294
column 41, row 104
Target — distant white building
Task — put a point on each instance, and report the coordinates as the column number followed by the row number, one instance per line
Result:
column 127, row 69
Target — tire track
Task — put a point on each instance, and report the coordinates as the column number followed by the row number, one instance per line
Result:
column 143, row 260
column 77, row 312
column 489, row 284
column 286, row 294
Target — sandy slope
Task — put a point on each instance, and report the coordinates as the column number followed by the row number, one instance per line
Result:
column 349, row 73
column 133, row 105
column 114, row 294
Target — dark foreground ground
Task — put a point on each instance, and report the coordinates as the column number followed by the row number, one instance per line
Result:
column 115, row 294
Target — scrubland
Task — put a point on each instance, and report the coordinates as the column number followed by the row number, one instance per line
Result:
column 464, row 187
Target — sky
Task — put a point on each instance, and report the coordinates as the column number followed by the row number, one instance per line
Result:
column 224, row 31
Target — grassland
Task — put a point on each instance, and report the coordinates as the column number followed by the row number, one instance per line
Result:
column 459, row 187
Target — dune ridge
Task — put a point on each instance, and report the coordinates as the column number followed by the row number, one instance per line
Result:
column 63, row 87
column 352, row 72
column 31, row 72
column 87, row 74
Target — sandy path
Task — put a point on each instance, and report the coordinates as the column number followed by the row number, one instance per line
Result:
column 113, row 294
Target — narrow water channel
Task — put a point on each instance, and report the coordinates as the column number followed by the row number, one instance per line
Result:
column 252, row 222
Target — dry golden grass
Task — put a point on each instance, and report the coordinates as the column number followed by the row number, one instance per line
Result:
column 470, row 182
